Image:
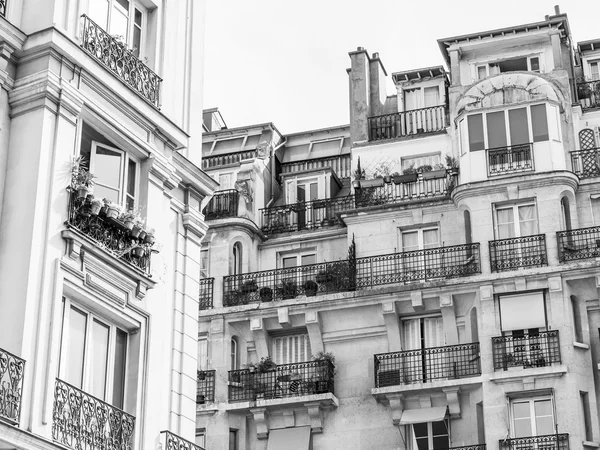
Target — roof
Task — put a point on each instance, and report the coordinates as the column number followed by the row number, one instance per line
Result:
column 415, row 74
column 590, row 45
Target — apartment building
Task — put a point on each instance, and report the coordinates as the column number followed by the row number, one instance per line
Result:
column 100, row 225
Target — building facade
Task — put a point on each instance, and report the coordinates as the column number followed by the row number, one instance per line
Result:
column 100, row 222
column 442, row 247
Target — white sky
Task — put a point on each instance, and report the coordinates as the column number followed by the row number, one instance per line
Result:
column 284, row 61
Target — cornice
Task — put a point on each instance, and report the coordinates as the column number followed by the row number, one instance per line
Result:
column 236, row 224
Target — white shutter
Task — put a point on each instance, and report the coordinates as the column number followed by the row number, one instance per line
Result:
column 291, row 349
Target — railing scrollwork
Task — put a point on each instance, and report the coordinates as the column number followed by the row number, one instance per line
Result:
column 12, row 369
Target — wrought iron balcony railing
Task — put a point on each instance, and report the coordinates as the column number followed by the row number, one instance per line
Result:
column 514, row 253
column 174, row 442
column 211, row 162
column 515, row 158
column 425, row 365
column 223, row 204
column 206, row 292
column 305, row 215
column 3, row 8
column 405, row 123
column 83, row 422
column 526, row 350
column 288, row 283
column 418, row 265
column 588, row 93
column 422, row 188
column 547, row 442
column 341, row 165
column 205, row 390
column 110, row 234
column 285, row 381
column 12, row 369
column 581, row 243
column 586, row 163
column 470, row 447
column 123, row 62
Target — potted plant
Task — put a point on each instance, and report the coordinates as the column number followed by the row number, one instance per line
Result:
column 409, row 175
column 149, row 239
column 138, row 227
column 324, row 276
column 128, row 219
column 113, row 211
column 266, row 294
column 138, row 251
column 81, row 179
column 433, row 173
column 249, row 286
column 324, row 372
column 375, row 182
column 311, row 288
column 289, row 289
column 95, row 206
column 452, row 164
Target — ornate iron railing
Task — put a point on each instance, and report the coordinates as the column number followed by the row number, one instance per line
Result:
column 288, row 283
column 414, row 190
column 341, row 165
column 286, row 380
column 470, row 447
column 111, row 234
column 205, row 391
column 425, row 365
column 12, row 369
column 3, row 8
column 305, row 215
column 418, row 265
column 416, row 121
column 83, row 422
column 588, row 93
column 206, row 292
column 547, row 442
column 515, row 158
column 116, row 57
column 526, row 350
column 576, row 244
column 175, row 442
column 514, row 253
column 586, row 163
column 211, row 162
column 223, row 204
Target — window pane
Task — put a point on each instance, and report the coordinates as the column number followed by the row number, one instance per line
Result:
column 432, row 96
column 527, row 220
column 107, row 168
column 119, row 369
column 430, row 238
column 521, row 410
column 496, row 128
column 308, row 259
column 439, row 428
column 314, row 191
column 410, row 241
column 595, row 70
column 544, row 420
column 76, row 348
column 232, row 439
column 535, row 64
column 118, row 21
column 99, row 361
column 481, row 72
column 506, row 227
column 200, row 439
column 138, row 17
column 440, row 443
column 420, row 429
column 300, row 193
column 290, row 262
column 475, row 123
column 131, row 178
column 98, row 12
column 411, row 99
column 539, row 123
column 519, row 126
column 512, row 65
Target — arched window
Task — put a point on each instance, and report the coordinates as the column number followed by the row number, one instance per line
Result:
column 237, row 259
column 587, row 141
column 566, row 213
column 234, row 354
column 467, row 218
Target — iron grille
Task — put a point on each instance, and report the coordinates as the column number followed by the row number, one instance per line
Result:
column 11, row 386
column 416, row 121
column 340, row 165
column 175, row 442
column 286, row 380
column 588, row 93
column 547, row 442
column 470, row 447
column 576, row 244
column 418, row 265
column 528, row 350
column 515, row 158
column 83, row 422
column 586, row 163
column 206, row 292
column 425, row 365
column 227, row 159
column 514, row 253
column 3, row 8
column 123, row 62
column 205, row 391
column 223, row 204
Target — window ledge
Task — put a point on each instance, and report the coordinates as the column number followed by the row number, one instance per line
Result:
column 581, row 345
column 591, row 444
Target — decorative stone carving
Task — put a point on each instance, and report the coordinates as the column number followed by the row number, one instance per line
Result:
column 245, row 190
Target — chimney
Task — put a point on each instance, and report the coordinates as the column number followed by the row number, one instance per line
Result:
column 556, row 10
column 377, row 86
column 359, row 82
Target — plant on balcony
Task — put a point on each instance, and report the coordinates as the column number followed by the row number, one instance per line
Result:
column 311, row 288
column 82, row 180
column 335, row 276
column 324, row 372
column 113, row 211
column 249, row 286
column 95, row 206
column 128, row 219
column 266, row 294
column 266, row 364
column 288, row 289
column 149, row 239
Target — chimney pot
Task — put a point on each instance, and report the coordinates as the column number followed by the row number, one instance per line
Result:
column 556, row 9
column 547, row 17
column 375, row 55
column 359, row 49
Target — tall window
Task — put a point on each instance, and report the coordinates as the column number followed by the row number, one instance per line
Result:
column 421, row 98
column 419, row 334
column 587, row 419
column 203, row 352
column 291, row 348
column 116, row 174
column 121, row 18
column 430, row 436
column 93, row 354
column 234, row 354
column 532, row 417
column 587, row 140
column 594, row 70
column 237, row 259
column 516, row 220
column 233, row 439
column 200, row 437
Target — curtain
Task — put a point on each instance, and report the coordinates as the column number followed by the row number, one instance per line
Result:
column 527, row 222
column 410, row 241
column 430, row 238
column 412, row 334
column 434, row 332
column 506, row 228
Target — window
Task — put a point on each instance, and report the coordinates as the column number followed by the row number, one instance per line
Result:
column 121, row 18
column 236, row 259
column 594, row 70
column 430, row 436
column 93, row 354
column 204, row 269
column 419, row 239
column 203, row 352
column 516, row 220
column 587, row 420
column 233, row 439
column 577, row 328
column 116, row 175
column 225, row 181
column 419, row 334
column 418, row 265
column 200, row 437
column 421, row 98
column 291, row 348
column 521, row 64
column 587, row 140
column 532, row 417
column 234, row 354
column 299, row 276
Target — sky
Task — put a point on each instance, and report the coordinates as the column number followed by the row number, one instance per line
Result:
column 285, row 61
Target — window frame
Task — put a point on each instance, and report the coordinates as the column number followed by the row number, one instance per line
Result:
column 515, row 207
column 420, row 96
column 489, row 64
column 413, row 437
column 292, row 356
column 420, row 241
column 591, row 64
column 531, row 400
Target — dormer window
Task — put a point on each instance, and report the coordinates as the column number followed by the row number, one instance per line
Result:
column 594, row 70
column 421, row 98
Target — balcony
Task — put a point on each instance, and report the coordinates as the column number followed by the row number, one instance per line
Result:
column 116, row 57
column 512, row 159
column 470, row 447
column 418, row 265
column 588, row 93
column 519, row 252
column 547, row 442
column 223, row 204
column 406, row 188
column 406, row 123
column 83, row 422
column 311, row 215
column 285, row 381
column 205, row 297
column 586, row 163
column 11, row 386
column 426, row 365
column 577, row 244
column 527, row 350
column 340, row 165
column 205, row 389
column 212, row 162
column 171, row 441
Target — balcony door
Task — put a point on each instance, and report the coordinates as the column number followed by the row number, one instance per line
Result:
column 533, row 417
column 420, row 334
column 295, row 276
column 299, row 192
column 418, row 265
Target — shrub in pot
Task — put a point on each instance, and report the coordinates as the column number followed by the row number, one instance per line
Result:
column 311, row 288
column 266, row 294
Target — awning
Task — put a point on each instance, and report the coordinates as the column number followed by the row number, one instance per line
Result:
column 297, row 438
column 434, row 414
column 522, row 311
